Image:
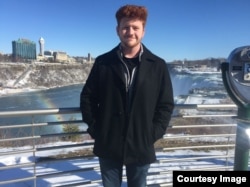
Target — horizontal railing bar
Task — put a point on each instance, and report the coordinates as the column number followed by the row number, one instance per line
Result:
column 84, row 132
column 18, row 180
column 203, row 169
column 161, row 184
column 213, row 168
column 205, row 125
column 40, row 124
column 40, row 112
column 77, row 110
column 195, row 158
column 164, row 184
column 42, row 136
column 209, row 115
column 74, row 184
column 19, row 138
column 64, row 146
column 21, row 126
column 63, row 134
column 79, row 183
column 66, row 172
column 169, row 172
column 197, row 147
column 206, row 106
column 17, row 152
column 166, row 180
column 17, row 166
column 43, row 160
column 152, row 173
column 197, row 136
column 217, row 106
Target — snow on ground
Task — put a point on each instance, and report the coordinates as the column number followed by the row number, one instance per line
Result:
column 159, row 172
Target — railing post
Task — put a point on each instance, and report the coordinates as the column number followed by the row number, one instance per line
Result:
column 242, row 146
column 34, row 150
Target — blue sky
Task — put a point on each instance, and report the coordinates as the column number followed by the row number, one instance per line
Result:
column 176, row 29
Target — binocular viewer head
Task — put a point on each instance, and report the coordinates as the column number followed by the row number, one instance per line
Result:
column 239, row 65
column 236, row 75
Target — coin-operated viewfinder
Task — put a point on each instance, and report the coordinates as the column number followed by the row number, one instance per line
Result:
column 236, row 79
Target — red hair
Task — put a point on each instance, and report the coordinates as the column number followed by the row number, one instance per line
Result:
column 132, row 11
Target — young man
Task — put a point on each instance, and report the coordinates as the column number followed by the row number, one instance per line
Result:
column 127, row 102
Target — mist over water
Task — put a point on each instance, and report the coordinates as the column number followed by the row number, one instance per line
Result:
column 183, row 83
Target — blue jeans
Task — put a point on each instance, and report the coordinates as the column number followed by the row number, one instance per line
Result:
column 111, row 172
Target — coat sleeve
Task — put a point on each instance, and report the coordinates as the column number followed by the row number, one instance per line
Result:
column 89, row 100
column 164, row 107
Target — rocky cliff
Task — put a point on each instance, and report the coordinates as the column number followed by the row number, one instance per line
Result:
column 42, row 75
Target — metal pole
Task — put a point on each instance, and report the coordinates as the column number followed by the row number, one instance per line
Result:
column 242, row 146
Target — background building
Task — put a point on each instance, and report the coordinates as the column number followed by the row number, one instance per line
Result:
column 24, row 49
column 60, row 56
column 41, row 44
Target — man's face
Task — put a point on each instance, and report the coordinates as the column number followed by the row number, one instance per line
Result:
column 130, row 32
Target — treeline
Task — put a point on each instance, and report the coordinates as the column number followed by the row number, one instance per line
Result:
column 10, row 58
column 209, row 62
column 5, row 58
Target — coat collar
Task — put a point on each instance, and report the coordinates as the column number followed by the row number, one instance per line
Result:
column 120, row 53
column 144, row 66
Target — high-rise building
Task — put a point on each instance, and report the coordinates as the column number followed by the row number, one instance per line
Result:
column 89, row 57
column 41, row 44
column 23, row 48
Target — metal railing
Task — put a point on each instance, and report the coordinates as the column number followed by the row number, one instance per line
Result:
column 196, row 128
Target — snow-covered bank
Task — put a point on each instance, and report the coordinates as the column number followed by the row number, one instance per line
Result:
column 21, row 76
column 163, row 169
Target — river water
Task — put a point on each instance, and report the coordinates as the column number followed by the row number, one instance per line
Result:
column 62, row 97
column 69, row 96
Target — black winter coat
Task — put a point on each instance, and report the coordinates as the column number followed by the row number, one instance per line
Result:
column 121, row 132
